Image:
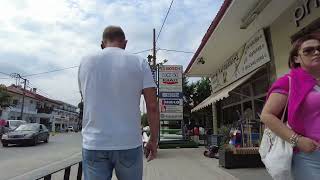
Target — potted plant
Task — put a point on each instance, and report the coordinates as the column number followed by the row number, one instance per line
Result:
column 231, row 157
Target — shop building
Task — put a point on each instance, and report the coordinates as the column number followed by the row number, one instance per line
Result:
column 243, row 52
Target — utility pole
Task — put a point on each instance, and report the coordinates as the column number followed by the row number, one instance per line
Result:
column 154, row 49
column 16, row 75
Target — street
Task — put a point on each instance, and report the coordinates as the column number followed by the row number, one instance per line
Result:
column 172, row 164
column 18, row 160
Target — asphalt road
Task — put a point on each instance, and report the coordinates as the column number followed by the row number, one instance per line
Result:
column 18, row 160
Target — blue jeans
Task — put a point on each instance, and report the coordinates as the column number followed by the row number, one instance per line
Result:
column 306, row 166
column 99, row 164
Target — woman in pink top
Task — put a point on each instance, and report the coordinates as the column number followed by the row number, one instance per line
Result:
column 303, row 97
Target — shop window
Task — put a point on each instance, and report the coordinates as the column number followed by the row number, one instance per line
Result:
column 245, row 90
column 260, row 86
column 231, row 114
column 258, row 105
column 233, row 98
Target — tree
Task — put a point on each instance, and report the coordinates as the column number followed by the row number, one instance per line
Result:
column 5, row 97
column 188, row 92
column 202, row 91
column 144, row 120
column 194, row 94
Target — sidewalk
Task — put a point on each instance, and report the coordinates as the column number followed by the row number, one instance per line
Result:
column 190, row 164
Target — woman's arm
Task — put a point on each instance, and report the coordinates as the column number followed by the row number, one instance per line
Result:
column 273, row 109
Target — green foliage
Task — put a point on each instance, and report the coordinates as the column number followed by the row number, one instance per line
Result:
column 5, row 97
column 144, row 120
column 194, row 94
column 225, row 132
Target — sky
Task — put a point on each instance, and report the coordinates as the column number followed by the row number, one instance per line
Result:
column 38, row 36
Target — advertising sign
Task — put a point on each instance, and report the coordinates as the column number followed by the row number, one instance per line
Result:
column 248, row 58
column 177, row 95
column 170, row 92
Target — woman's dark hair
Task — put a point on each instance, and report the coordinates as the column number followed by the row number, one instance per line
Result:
column 296, row 45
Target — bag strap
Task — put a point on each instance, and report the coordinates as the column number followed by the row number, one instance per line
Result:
column 286, row 107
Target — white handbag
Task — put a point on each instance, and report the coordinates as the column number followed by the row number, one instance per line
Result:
column 276, row 153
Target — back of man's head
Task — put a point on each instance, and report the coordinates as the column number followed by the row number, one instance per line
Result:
column 113, row 33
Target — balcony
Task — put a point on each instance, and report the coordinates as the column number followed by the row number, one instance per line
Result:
column 45, row 110
column 26, row 110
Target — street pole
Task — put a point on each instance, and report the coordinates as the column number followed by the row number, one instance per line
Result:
column 24, row 92
column 154, row 49
column 16, row 75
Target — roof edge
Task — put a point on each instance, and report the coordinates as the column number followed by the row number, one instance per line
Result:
column 209, row 32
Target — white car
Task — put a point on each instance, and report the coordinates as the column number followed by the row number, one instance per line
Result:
column 70, row 128
column 14, row 124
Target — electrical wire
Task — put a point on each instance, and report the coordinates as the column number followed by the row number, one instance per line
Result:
column 165, row 19
column 142, row 51
column 56, row 70
column 172, row 50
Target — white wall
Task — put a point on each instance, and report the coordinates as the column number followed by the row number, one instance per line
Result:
column 281, row 31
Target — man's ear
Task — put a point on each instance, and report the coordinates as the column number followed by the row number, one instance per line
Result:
column 102, row 45
column 125, row 44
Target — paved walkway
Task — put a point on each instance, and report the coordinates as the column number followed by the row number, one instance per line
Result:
column 190, row 164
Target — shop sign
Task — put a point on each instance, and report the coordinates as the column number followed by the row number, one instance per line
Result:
column 170, row 68
column 303, row 10
column 248, row 58
column 170, row 74
column 171, row 116
column 171, row 106
column 178, row 95
column 170, row 92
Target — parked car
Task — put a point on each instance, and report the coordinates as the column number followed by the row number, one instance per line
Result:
column 13, row 124
column 31, row 133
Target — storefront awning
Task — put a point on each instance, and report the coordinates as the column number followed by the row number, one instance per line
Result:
column 222, row 93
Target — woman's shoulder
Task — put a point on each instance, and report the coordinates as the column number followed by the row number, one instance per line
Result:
column 281, row 85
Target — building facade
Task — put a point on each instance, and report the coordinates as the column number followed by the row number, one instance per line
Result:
column 55, row 115
column 245, row 50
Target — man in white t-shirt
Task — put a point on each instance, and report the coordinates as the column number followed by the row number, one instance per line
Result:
column 111, row 83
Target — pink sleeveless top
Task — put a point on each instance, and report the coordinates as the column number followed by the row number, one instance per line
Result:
column 310, row 110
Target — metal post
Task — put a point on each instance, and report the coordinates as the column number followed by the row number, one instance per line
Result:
column 154, row 49
column 18, row 76
column 67, row 173
column 24, row 92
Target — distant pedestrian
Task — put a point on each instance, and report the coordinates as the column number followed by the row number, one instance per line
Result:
column 111, row 83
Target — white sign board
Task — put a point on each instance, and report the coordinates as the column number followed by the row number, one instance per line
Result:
column 248, row 58
column 170, row 92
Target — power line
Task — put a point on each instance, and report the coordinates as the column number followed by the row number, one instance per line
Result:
column 5, row 74
column 56, row 70
column 165, row 19
column 38, row 89
column 172, row 50
column 142, row 51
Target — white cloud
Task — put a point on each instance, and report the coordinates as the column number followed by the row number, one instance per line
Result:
column 38, row 35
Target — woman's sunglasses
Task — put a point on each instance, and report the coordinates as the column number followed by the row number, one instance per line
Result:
column 310, row 51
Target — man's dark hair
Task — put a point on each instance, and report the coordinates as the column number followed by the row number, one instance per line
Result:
column 112, row 33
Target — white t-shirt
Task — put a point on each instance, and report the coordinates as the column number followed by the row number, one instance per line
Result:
column 111, row 83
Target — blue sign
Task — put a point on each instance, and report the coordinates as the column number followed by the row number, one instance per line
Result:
column 177, row 95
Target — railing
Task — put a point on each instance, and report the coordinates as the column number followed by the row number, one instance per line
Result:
column 67, row 171
column 56, row 168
